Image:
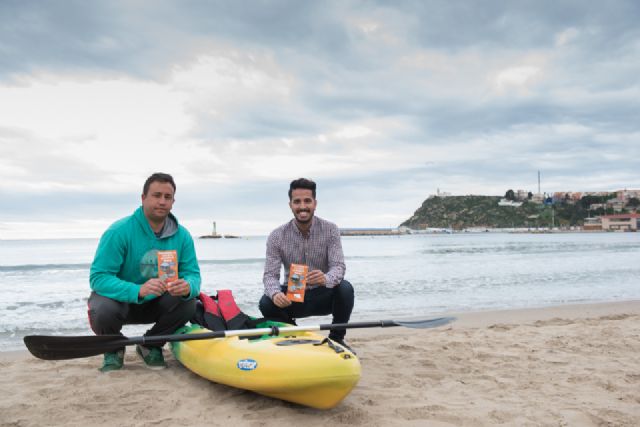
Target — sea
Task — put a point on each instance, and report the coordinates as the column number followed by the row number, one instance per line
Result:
column 44, row 284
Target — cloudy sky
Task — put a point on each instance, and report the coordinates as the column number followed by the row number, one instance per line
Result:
column 381, row 102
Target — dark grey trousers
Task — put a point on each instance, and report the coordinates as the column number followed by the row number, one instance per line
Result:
column 167, row 313
column 320, row 301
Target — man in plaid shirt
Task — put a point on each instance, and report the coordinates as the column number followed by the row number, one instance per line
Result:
column 313, row 242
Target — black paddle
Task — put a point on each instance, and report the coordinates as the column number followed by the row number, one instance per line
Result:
column 60, row 347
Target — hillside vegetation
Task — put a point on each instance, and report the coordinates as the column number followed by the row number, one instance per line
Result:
column 459, row 212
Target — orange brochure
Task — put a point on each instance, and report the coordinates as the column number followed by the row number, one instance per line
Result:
column 297, row 282
column 168, row 266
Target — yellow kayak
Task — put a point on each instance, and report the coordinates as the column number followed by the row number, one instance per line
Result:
column 301, row 367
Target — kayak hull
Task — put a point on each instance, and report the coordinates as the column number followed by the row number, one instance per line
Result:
column 297, row 367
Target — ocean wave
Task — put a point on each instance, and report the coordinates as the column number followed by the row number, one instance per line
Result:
column 42, row 267
column 52, row 304
column 71, row 301
column 231, row 261
column 86, row 266
column 374, row 257
column 24, row 268
column 529, row 248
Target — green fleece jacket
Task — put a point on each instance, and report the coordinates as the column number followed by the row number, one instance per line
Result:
column 127, row 257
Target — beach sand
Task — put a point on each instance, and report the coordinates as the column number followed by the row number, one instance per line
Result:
column 576, row 365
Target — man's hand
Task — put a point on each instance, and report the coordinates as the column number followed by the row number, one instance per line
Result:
column 281, row 300
column 179, row 288
column 153, row 286
column 317, row 278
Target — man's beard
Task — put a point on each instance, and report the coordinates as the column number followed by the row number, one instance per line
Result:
column 304, row 221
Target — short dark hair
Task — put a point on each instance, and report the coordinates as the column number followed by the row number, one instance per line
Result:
column 303, row 183
column 158, row 177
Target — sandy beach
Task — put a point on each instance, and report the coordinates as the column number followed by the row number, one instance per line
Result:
column 575, row 365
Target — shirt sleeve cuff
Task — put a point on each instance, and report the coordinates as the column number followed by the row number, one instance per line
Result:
column 330, row 282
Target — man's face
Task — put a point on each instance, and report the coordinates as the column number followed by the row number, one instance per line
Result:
column 158, row 201
column 303, row 205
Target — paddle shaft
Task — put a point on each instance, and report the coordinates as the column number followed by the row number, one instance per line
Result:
column 159, row 339
column 61, row 347
column 260, row 331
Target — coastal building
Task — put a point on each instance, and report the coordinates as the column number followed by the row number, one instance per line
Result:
column 566, row 197
column 620, row 222
column 538, row 198
column 616, row 204
column 512, row 203
column 441, row 193
column 594, row 206
column 592, row 224
column 596, row 193
column 625, row 194
column 214, row 234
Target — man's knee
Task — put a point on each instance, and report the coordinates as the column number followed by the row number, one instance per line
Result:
column 266, row 306
column 345, row 291
column 106, row 315
column 178, row 306
column 188, row 308
column 168, row 302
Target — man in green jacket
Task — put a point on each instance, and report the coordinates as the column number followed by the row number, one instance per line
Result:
column 126, row 287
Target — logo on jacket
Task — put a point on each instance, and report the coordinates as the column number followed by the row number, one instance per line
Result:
column 247, row 364
column 149, row 264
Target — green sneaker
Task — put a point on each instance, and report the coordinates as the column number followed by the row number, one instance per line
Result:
column 152, row 356
column 113, row 361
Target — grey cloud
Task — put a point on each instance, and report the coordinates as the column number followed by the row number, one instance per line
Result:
column 343, row 75
column 517, row 24
column 40, row 162
column 65, row 205
column 67, row 35
column 127, row 34
column 146, row 38
column 286, row 23
column 258, row 122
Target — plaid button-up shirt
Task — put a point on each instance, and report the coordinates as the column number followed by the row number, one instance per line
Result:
column 320, row 250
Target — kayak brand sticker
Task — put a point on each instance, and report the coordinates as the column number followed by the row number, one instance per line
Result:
column 247, row 364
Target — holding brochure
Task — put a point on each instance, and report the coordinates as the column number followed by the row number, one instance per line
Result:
column 297, row 282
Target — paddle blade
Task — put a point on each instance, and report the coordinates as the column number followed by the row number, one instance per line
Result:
column 427, row 323
column 61, row 348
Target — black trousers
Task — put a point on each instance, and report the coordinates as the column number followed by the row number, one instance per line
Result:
column 320, row 301
column 167, row 313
